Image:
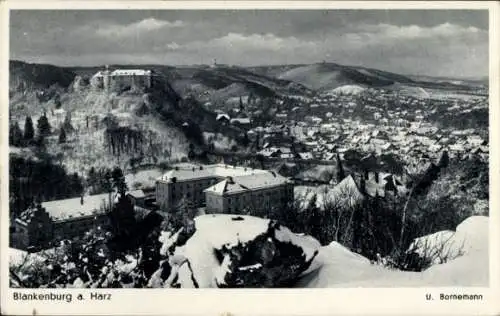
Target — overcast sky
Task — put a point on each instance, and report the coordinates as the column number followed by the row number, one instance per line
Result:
column 439, row 43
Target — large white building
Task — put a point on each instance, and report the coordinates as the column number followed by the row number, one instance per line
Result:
column 122, row 78
column 223, row 188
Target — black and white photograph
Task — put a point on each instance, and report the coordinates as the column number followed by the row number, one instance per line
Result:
column 248, row 148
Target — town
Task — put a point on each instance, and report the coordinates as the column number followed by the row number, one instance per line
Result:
column 372, row 132
column 361, row 166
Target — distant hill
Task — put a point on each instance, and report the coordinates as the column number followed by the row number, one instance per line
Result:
column 456, row 81
column 32, row 76
column 329, row 76
column 217, row 84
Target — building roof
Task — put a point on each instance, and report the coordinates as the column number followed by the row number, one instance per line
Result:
column 124, row 72
column 61, row 210
column 130, row 72
column 137, row 194
column 240, row 120
column 227, row 186
column 222, row 116
column 192, row 172
column 247, row 182
column 306, row 155
column 347, row 192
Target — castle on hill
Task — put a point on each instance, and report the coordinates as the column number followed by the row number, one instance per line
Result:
column 122, row 78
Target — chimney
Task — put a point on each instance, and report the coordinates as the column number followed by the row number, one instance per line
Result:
column 81, row 199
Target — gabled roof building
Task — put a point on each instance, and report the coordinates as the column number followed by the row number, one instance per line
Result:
column 223, row 188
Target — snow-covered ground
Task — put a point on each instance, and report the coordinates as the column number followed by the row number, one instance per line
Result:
column 336, row 266
column 333, row 266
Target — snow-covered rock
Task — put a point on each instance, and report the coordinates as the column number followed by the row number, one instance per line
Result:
column 471, row 236
column 336, row 266
column 238, row 251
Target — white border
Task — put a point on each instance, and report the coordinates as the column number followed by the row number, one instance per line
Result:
column 383, row 301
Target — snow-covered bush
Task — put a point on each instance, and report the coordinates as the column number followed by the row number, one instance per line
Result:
column 248, row 252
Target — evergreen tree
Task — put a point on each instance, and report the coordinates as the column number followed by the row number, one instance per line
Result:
column 444, row 160
column 67, row 126
column 92, row 179
column 122, row 221
column 191, row 153
column 250, row 98
column 118, row 180
column 15, row 135
column 122, row 215
column 340, row 170
column 314, row 219
column 362, row 185
column 43, row 126
column 242, row 108
column 76, row 184
column 260, row 159
column 245, row 141
column 62, row 136
column 107, row 185
column 29, row 131
column 57, row 103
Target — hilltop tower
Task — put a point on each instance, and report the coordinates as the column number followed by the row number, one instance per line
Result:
column 214, row 64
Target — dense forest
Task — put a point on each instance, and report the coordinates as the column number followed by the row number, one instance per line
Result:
column 39, row 178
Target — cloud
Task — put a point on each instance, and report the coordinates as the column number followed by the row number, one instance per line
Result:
column 173, row 46
column 442, row 48
column 140, row 27
column 369, row 34
column 237, row 43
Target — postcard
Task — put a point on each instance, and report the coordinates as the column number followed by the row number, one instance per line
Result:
column 249, row 158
